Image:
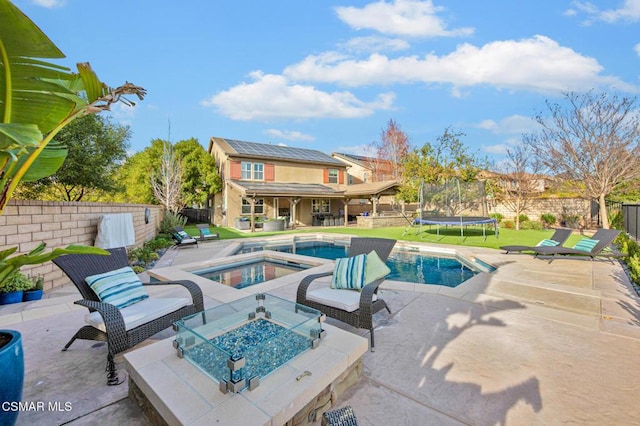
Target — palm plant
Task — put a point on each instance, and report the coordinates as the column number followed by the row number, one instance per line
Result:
column 38, row 99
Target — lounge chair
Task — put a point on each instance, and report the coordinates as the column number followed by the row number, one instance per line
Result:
column 182, row 238
column 557, row 239
column 122, row 327
column 598, row 245
column 206, row 234
column 346, row 305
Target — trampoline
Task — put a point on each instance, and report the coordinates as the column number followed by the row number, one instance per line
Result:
column 453, row 203
column 461, row 221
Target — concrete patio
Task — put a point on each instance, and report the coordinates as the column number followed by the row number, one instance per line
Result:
column 535, row 342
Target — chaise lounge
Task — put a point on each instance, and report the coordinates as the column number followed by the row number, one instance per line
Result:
column 557, row 239
column 355, row 308
column 598, row 245
column 140, row 318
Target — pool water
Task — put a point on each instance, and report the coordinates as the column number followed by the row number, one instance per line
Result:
column 241, row 275
column 405, row 266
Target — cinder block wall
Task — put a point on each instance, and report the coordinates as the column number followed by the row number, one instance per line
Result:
column 27, row 223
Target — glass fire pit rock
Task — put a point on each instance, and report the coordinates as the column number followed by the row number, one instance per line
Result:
column 240, row 342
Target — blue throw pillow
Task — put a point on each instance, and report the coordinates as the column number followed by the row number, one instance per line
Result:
column 121, row 287
column 349, row 272
column 547, row 243
column 586, row 244
column 184, row 235
column 205, row 231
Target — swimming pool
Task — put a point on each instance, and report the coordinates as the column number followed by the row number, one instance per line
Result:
column 250, row 272
column 407, row 266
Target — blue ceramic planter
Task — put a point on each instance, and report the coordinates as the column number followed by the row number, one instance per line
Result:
column 30, row 295
column 10, row 297
column 11, row 375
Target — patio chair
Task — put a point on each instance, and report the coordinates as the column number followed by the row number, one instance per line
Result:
column 346, row 305
column 122, row 328
column 598, row 245
column 182, row 238
column 558, row 238
column 206, row 234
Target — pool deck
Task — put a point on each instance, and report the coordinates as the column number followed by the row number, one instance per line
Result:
column 535, row 342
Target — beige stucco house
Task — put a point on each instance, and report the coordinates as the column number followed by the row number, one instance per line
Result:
column 306, row 186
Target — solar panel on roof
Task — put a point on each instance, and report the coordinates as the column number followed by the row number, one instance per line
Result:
column 277, row 151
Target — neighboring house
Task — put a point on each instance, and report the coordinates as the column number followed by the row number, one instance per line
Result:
column 510, row 182
column 271, row 181
column 365, row 169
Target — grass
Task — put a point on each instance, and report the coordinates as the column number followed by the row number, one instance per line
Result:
column 473, row 236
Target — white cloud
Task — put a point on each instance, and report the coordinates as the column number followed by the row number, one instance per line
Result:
column 637, row 48
column 290, row 135
column 48, row 3
column 515, row 124
column 629, row 11
column 122, row 113
column 374, row 44
column 499, row 149
column 272, row 96
column 537, row 64
column 402, row 17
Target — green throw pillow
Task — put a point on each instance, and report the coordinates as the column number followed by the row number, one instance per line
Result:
column 586, row 244
column 349, row 272
column 375, row 268
column 120, row 287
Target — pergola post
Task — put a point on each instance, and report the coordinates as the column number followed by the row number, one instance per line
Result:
column 374, row 201
column 293, row 201
column 345, row 203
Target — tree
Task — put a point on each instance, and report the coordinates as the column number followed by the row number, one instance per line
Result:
column 520, row 181
column 135, row 174
column 167, row 181
column 96, row 147
column 390, row 153
column 200, row 179
column 449, row 157
column 594, row 140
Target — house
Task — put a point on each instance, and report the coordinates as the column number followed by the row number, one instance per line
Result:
column 365, row 169
column 272, row 181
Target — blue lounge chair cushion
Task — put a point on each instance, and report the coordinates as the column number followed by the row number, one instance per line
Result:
column 120, row 287
column 586, row 244
column 547, row 243
column 349, row 272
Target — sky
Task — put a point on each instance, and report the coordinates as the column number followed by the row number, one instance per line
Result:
column 329, row 75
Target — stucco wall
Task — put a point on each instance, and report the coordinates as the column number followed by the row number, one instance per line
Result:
column 27, row 223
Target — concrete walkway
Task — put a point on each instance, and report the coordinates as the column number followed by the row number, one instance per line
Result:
column 535, row 342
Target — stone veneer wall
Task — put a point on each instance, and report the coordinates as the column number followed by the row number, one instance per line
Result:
column 27, row 223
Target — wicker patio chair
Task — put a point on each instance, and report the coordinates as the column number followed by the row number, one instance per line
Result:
column 182, row 238
column 205, row 232
column 113, row 327
column 369, row 302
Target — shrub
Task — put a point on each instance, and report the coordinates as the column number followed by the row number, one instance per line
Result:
column 16, row 282
column 523, row 217
column 509, row 224
column 531, row 224
column 497, row 216
column 171, row 220
column 571, row 221
column 548, row 220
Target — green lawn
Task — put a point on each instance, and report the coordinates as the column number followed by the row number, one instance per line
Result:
column 473, row 236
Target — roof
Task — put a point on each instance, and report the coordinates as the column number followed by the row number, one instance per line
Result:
column 245, row 149
column 372, row 188
column 284, row 189
column 366, row 162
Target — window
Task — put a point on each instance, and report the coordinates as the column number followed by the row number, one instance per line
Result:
column 258, row 171
column 320, row 205
column 246, row 170
column 333, row 176
column 252, row 171
column 258, row 209
column 349, row 179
